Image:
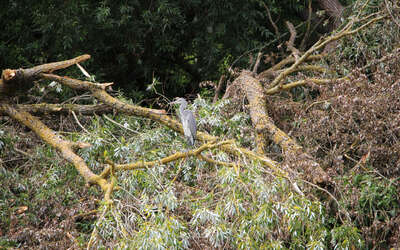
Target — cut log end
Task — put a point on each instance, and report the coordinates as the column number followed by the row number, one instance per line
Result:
column 7, row 75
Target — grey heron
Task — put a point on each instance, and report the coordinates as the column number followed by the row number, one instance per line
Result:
column 188, row 121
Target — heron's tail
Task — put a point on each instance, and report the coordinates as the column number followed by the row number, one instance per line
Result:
column 190, row 141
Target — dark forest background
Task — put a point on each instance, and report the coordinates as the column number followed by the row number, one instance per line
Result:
column 176, row 44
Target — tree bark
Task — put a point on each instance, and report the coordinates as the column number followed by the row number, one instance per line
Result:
column 294, row 153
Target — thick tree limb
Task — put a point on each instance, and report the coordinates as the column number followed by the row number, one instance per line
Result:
column 46, row 108
column 290, row 59
column 256, row 98
column 264, row 124
column 16, row 79
column 63, row 146
column 174, row 157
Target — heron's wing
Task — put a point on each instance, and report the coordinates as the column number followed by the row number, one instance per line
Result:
column 189, row 126
column 190, row 122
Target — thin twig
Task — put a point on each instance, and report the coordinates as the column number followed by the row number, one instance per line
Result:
column 23, row 152
column 219, row 87
column 307, row 33
column 272, row 21
column 390, row 13
column 290, row 43
column 77, row 121
column 94, row 233
column 333, row 197
column 119, row 124
column 257, row 62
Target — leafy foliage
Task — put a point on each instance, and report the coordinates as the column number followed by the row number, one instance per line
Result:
column 191, row 203
column 39, row 194
column 351, row 127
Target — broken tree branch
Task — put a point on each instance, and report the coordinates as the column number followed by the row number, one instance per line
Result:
column 165, row 160
column 15, row 79
column 290, row 43
column 257, row 64
column 63, row 146
column 264, row 124
column 254, row 93
column 291, row 85
column 46, row 108
column 219, row 88
column 307, row 33
column 290, row 59
column 320, row 44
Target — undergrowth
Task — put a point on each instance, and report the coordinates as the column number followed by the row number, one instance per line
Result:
column 184, row 204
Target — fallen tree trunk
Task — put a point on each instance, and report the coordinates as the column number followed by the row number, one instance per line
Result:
column 250, row 84
column 263, row 124
column 48, row 108
column 15, row 80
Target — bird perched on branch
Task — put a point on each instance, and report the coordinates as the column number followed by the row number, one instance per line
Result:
column 188, row 121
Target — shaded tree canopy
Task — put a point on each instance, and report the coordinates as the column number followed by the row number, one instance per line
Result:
column 178, row 42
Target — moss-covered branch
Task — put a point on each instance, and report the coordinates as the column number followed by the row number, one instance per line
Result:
column 47, row 108
column 346, row 31
column 149, row 164
column 63, row 146
column 263, row 124
column 13, row 80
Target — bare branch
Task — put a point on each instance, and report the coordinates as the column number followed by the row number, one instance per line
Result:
column 63, row 146
column 290, row 43
column 307, row 33
column 219, row 88
column 255, row 68
column 320, row 44
column 264, row 124
column 291, row 85
column 14, row 79
column 45, row 108
column 391, row 14
column 272, row 21
column 287, row 60
column 76, row 84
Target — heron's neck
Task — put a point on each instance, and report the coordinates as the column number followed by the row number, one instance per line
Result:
column 181, row 109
